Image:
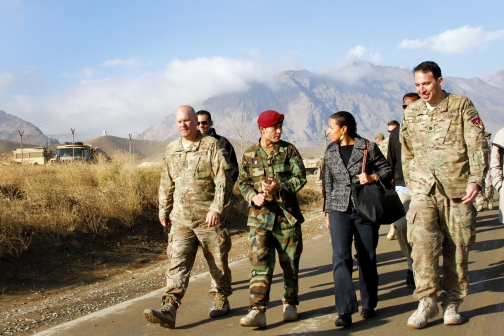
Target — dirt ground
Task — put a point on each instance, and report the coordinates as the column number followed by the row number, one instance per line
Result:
column 88, row 272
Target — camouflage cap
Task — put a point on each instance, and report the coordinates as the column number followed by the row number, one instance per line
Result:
column 379, row 136
column 487, row 134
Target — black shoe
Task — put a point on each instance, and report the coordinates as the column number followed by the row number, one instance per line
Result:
column 367, row 313
column 344, row 320
column 410, row 281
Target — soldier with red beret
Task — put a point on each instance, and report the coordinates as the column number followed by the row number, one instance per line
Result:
column 271, row 174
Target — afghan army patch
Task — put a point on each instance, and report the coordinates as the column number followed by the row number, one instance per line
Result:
column 478, row 123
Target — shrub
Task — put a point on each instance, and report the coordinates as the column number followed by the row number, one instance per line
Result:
column 51, row 201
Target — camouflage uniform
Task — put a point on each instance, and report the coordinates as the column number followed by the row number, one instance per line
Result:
column 277, row 224
column 441, row 152
column 384, row 147
column 486, row 192
column 194, row 181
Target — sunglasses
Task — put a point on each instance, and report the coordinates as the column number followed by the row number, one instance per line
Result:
column 404, row 107
column 204, row 122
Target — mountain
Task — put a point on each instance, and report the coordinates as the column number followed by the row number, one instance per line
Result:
column 372, row 93
column 496, row 79
column 10, row 125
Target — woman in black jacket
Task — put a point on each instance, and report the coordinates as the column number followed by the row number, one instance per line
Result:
column 343, row 165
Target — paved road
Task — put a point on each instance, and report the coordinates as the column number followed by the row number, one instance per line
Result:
column 483, row 310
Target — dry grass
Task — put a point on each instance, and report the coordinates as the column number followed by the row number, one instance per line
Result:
column 46, row 203
column 51, row 201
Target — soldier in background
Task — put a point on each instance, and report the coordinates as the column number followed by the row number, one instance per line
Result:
column 271, row 174
column 443, row 166
column 205, row 124
column 400, row 227
column 382, row 143
column 486, row 194
column 496, row 169
column 191, row 198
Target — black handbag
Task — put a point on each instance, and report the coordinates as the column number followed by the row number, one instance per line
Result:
column 375, row 203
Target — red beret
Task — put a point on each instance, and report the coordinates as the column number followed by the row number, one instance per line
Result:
column 270, row 118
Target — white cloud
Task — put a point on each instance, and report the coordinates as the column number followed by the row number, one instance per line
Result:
column 132, row 103
column 455, row 41
column 361, row 53
column 6, row 79
column 129, row 63
column 356, row 52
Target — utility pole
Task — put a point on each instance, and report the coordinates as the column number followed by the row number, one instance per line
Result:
column 130, row 135
column 73, row 143
column 21, row 136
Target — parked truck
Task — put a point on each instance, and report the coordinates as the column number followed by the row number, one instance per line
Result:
column 312, row 165
column 76, row 151
column 37, row 155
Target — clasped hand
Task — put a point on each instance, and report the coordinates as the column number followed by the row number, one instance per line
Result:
column 364, row 178
column 268, row 189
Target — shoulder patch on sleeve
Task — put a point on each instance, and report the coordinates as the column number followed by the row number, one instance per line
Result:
column 478, row 122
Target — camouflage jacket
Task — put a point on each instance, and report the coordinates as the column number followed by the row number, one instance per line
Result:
column 443, row 145
column 193, row 180
column 286, row 166
column 383, row 146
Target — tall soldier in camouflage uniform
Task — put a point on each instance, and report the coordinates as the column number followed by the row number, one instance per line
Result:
column 271, row 173
column 443, row 167
column 486, row 194
column 191, row 198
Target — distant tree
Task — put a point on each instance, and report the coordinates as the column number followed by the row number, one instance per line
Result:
column 241, row 124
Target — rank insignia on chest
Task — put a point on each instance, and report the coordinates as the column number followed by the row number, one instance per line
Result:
column 184, row 164
column 478, row 123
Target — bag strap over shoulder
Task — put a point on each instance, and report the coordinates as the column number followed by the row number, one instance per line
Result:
column 364, row 159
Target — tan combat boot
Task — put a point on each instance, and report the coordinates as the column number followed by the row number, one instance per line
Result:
column 451, row 315
column 221, row 306
column 289, row 312
column 490, row 205
column 427, row 308
column 254, row 318
column 164, row 316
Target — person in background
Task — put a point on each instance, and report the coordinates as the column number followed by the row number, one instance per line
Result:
column 394, row 158
column 205, row 124
column 443, row 165
column 343, row 165
column 382, row 143
column 486, row 194
column 391, row 235
column 271, row 174
column 496, row 170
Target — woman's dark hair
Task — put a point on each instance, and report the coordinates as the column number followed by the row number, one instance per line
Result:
column 344, row 118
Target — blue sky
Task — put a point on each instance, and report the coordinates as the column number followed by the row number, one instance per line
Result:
column 122, row 66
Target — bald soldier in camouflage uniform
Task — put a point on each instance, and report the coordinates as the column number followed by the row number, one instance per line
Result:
column 443, row 165
column 271, row 173
column 192, row 193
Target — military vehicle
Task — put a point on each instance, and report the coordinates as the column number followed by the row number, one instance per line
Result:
column 312, row 165
column 76, row 151
column 37, row 155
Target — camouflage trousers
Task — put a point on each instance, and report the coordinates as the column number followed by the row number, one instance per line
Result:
column 486, row 193
column 183, row 245
column 437, row 222
column 288, row 242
